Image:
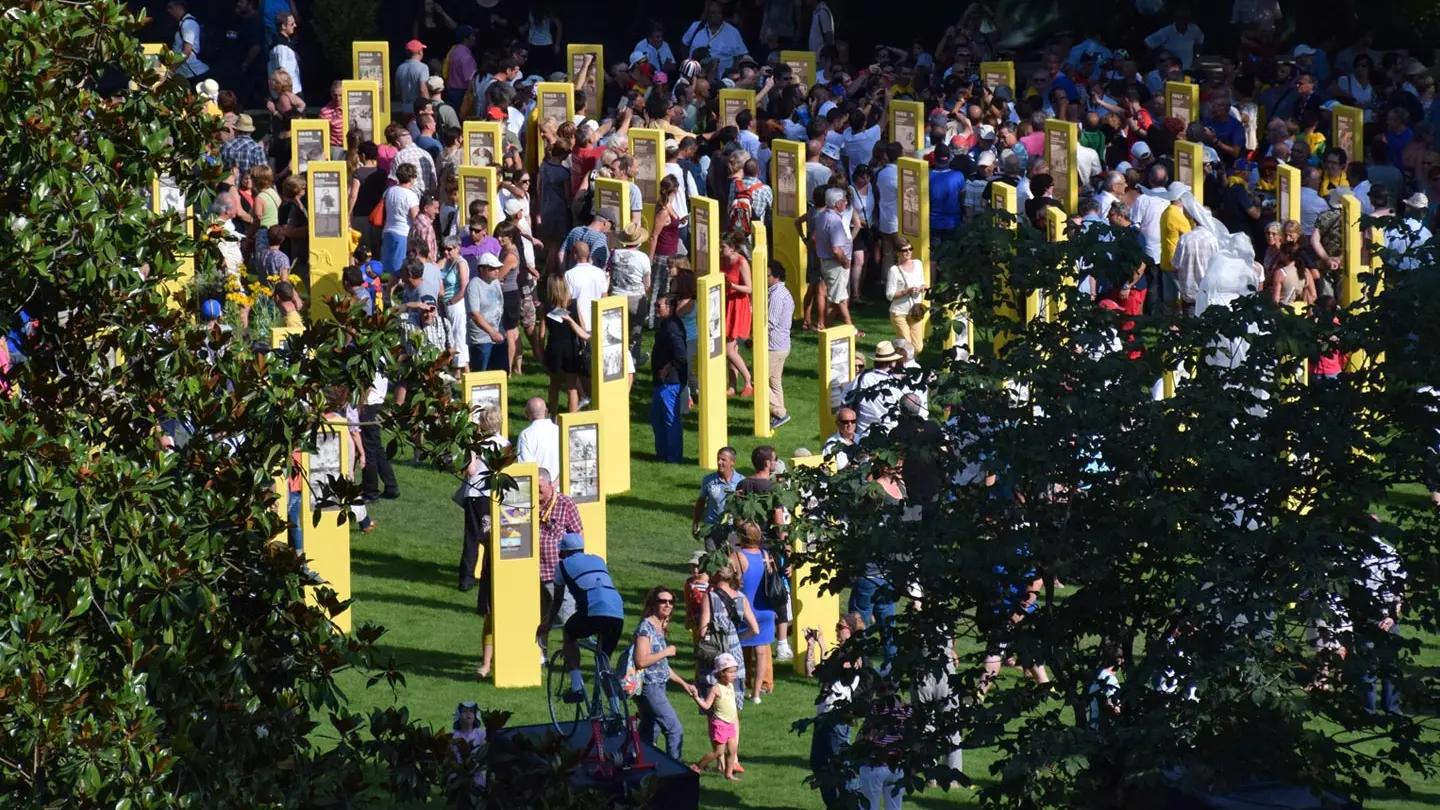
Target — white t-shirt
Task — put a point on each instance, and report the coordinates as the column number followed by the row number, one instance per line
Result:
column 587, row 283
column 540, row 443
column 887, row 191
column 726, row 45
column 822, row 21
column 858, row 146
column 657, row 56
column 1180, row 43
column 189, row 34
column 1148, row 210
column 629, row 267
column 398, row 202
column 910, row 274
column 687, row 189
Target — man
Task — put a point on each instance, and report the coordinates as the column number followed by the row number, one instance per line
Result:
column 655, row 49
column 670, row 364
column 860, row 141
column 1010, row 139
column 923, row 442
column 419, row 281
column 223, row 209
column 1178, row 38
column 817, row 174
column 1312, row 204
column 1411, row 234
column 333, row 113
column 780, row 312
column 1112, row 190
column 977, row 188
column 626, row 170
column 249, row 46
column 410, row 77
column 833, row 246
column 558, row 517
column 282, row 53
column 485, row 310
column 1149, row 207
column 187, row 40
column 409, row 154
column 424, row 135
column 376, row 468
column 242, row 153
column 875, row 393
column 841, row 444
column 506, row 71
column 586, row 281
column 1173, row 224
column 587, row 604
column 1384, row 579
column 402, row 205
column 947, row 194
column 445, row 114
column 822, row 25
column 462, row 67
column 593, row 236
column 540, row 442
column 714, row 489
column 630, row 276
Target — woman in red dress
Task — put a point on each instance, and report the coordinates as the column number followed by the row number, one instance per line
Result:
column 737, row 309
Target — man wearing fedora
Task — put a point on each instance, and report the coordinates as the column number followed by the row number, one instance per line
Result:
column 630, row 277
column 874, row 394
column 241, row 153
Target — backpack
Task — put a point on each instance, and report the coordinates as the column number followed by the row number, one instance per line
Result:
column 741, row 214
column 200, row 43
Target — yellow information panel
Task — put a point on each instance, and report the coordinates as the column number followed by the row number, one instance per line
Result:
column 704, row 236
column 481, row 183
column 592, row 88
column 514, row 560
column 166, row 198
column 1355, row 268
column 361, row 100
column 610, row 386
column 760, row 329
column 998, row 74
column 1347, row 131
column 914, row 199
column 647, row 147
column 370, row 62
column 1190, row 168
column 802, row 64
column 732, row 101
column 1062, row 141
column 812, row 608
column 1287, row 193
column 278, row 336
column 329, row 228
column 612, row 193
column 553, row 100
column 309, row 141
column 582, row 443
column 327, row 543
column 1052, row 305
column 837, row 369
column 1004, row 197
column 487, row 390
column 483, row 143
column 1182, row 100
column 907, row 125
column 710, row 365
column 792, row 201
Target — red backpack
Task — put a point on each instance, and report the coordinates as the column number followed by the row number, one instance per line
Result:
column 742, row 212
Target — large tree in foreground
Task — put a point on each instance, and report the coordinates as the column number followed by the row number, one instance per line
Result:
column 1221, row 540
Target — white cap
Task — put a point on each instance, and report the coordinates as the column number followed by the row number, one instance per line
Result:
column 489, row 260
column 831, row 151
column 985, row 158
column 1418, row 200
column 985, row 132
column 1302, row 50
column 513, row 207
column 1140, row 149
column 1123, row 166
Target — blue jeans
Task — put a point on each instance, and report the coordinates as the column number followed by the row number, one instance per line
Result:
column 296, row 532
column 392, row 252
column 872, row 599
column 665, row 409
column 488, row 357
column 1389, row 690
column 657, row 715
column 829, row 740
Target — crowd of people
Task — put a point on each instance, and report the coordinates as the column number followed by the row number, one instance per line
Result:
column 497, row 288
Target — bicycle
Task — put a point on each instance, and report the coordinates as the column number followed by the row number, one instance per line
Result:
column 604, row 701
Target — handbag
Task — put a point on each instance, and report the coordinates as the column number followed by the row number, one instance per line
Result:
column 772, row 584
column 918, row 311
column 711, row 643
column 633, row 678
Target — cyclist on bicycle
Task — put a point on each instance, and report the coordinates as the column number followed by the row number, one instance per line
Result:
column 586, row 604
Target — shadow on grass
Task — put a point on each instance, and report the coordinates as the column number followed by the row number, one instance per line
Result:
column 466, row 606
column 633, row 501
column 433, row 663
column 396, row 566
column 1426, row 798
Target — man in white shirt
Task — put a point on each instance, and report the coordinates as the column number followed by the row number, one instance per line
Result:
column 720, row 38
column 187, row 40
column 1149, row 207
column 1411, row 234
column 822, row 25
column 656, row 50
column 817, row 174
column 586, row 281
column 1087, row 164
column 685, row 179
column 1112, row 190
column 540, row 442
column 282, row 53
column 875, row 394
column 859, row 141
column 887, row 193
column 1312, row 205
column 841, row 443
column 223, row 209
column 1179, row 38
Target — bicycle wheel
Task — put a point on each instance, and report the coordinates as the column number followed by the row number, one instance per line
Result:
column 564, row 717
column 611, row 704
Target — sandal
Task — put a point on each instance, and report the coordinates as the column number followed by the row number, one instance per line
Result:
column 482, row 673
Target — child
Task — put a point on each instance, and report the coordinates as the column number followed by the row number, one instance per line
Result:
column 273, row 262
column 696, row 587
column 724, row 718
column 288, row 302
column 372, row 271
column 1103, row 701
column 354, row 281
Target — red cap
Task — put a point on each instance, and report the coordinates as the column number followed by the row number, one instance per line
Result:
column 494, row 114
column 414, row 46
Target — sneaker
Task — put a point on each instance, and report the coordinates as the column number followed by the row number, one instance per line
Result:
column 777, row 421
column 583, row 404
column 783, row 653
column 755, row 700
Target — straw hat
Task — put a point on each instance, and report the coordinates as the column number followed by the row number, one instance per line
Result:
column 633, row 235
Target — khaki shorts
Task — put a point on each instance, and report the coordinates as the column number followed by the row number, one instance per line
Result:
column 837, row 281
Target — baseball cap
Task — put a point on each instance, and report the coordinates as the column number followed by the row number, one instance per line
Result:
column 831, row 151
column 1123, row 166
column 636, row 57
column 576, row 542
column 1302, row 50
column 462, row 31
column 939, row 119
column 986, row 158
column 942, row 154
column 414, row 46
column 985, row 132
column 489, row 260
column 610, row 215
column 531, row 80
column 428, row 300
column 1418, row 200
column 435, row 83
column 210, row 308
column 1139, row 150
column 513, row 207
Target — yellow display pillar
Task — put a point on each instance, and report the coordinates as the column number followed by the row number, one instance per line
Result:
column 1287, row 193
column 553, row 100
column 278, row 336
column 906, row 121
column 514, row 560
column 1347, row 129
column 155, row 56
column 612, row 193
column 309, row 141
column 914, row 208
column 1182, row 100
column 732, row 101
column 166, row 198
column 582, row 446
column 760, row 330
column 487, row 390
column 1355, row 268
column 787, row 177
column 1062, row 141
column 704, row 235
column 329, row 229
column 647, row 147
column 812, row 609
column 327, row 541
column 837, row 369
column 1190, row 168
column 361, row 99
column 483, row 143
column 370, row 62
column 802, row 64
column 1052, row 305
column 710, row 364
column 1004, row 197
column 610, row 387
column 480, row 183
column 996, row 74
column 575, row 60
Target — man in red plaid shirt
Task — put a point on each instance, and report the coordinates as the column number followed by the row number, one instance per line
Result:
column 558, row 517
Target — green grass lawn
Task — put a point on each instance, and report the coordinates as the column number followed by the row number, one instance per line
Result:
column 405, row 577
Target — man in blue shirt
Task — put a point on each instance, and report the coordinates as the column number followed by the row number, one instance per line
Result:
column 947, row 194
column 714, row 489
column 587, row 605
column 1223, row 132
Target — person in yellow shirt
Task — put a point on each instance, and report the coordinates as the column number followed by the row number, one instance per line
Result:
column 1173, row 225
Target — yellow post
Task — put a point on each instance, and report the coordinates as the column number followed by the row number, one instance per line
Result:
column 309, row 140
column 480, row 183
column 812, row 609
column 995, row 74
column 705, row 235
column 1052, row 305
column 612, row 193
column 575, row 60
column 710, row 365
column 370, row 61
column 1346, row 123
column 802, row 63
column 361, row 99
column 329, row 228
column 907, row 125
column 1182, row 100
column 487, row 390
column 327, row 543
column 610, row 386
column 483, row 143
column 1287, row 193
column 155, row 56
column 787, row 177
column 647, row 146
column 579, row 476
column 732, row 101
column 552, row 100
column 1062, row 141
column 166, row 197
column 514, row 560
column 966, row 339
column 760, row 330
column 1190, row 167
column 914, row 206
column 837, row 369
column 1003, row 197
column 1355, row 268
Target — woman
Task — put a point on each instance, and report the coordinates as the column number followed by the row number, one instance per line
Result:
column 862, row 204
column 266, row 212
column 339, row 409
column 512, row 269
column 752, row 562
column 728, row 615
column 905, row 288
column 284, row 107
column 665, row 242
column 1274, row 241
column 564, row 339
column 454, row 275
column 552, row 222
column 475, row 496
column 832, row 733
column 737, row 309
column 653, row 652
column 1288, row 283
column 296, row 219
column 1356, row 89
column 684, row 288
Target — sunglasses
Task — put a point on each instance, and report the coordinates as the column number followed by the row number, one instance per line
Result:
column 477, row 230
column 845, row 421
column 906, row 249
column 664, row 601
